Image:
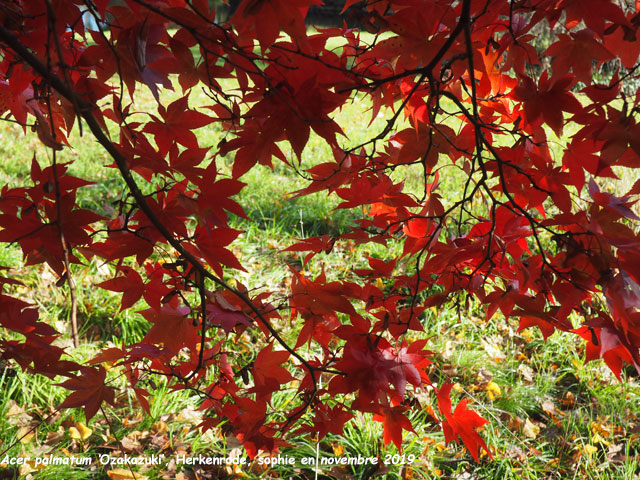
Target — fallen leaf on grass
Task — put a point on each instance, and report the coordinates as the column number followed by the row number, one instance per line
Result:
column 601, row 427
column 515, row 423
column 493, row 350
column 613, row 453
column 549, row 408
column 54, row 437
column 190, row 415
column 161, row 442
column 133, row 420
column 596, row 438
column 131, row 444
column 17, row 415
column 80, row 431
column 526, row 372
column 588, row 450
column 124, row 474
column 159, row 427
column 448, row 350
column 517, row 453
column 406, row 473
column 569, row 400
column 493, row 390
column 484, row 376
column 530, row 429
column 527, row 335
column 449, row 370
column 26, row 468
column 29, row 466
column 25, row 434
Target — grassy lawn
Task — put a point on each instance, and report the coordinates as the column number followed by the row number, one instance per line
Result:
column 552, row 416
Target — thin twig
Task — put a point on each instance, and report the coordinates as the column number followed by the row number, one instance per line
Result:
column 73, row 314
column 120, row 447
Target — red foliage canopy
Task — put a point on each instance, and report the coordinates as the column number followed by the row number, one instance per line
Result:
column 550, row 245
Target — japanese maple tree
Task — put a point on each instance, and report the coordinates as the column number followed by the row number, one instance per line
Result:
column 464, row 86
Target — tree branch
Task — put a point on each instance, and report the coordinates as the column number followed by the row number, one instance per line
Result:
column 121, row 162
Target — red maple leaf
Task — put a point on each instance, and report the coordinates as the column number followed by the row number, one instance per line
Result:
column 546, row 101
column 176, row 125
column 328, row 420
column 221, row 312
column 265, row 19
column 268, row 374
column 172, row 327
column 461, row 423
column 130, row 284
column 89, row 391
column 394, row 420
column 577, row 51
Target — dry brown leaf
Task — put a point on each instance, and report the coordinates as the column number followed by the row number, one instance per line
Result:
column 132, row 421
column 160, row 441
column 159, row 427
column 26, row 468
column 484, row 376
column 181, row 449
column 16, row 415
column 449, row 370
column 124, row 474
column 516, row 452
column 515, row 423
column 29, row 467
column 533, row 451
column 54, row 437
column 526, row 372
column 130, row 444
column 190, row 415
column 406, row 473
column 549, row 408
column 569, row 399
column 613, row 453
